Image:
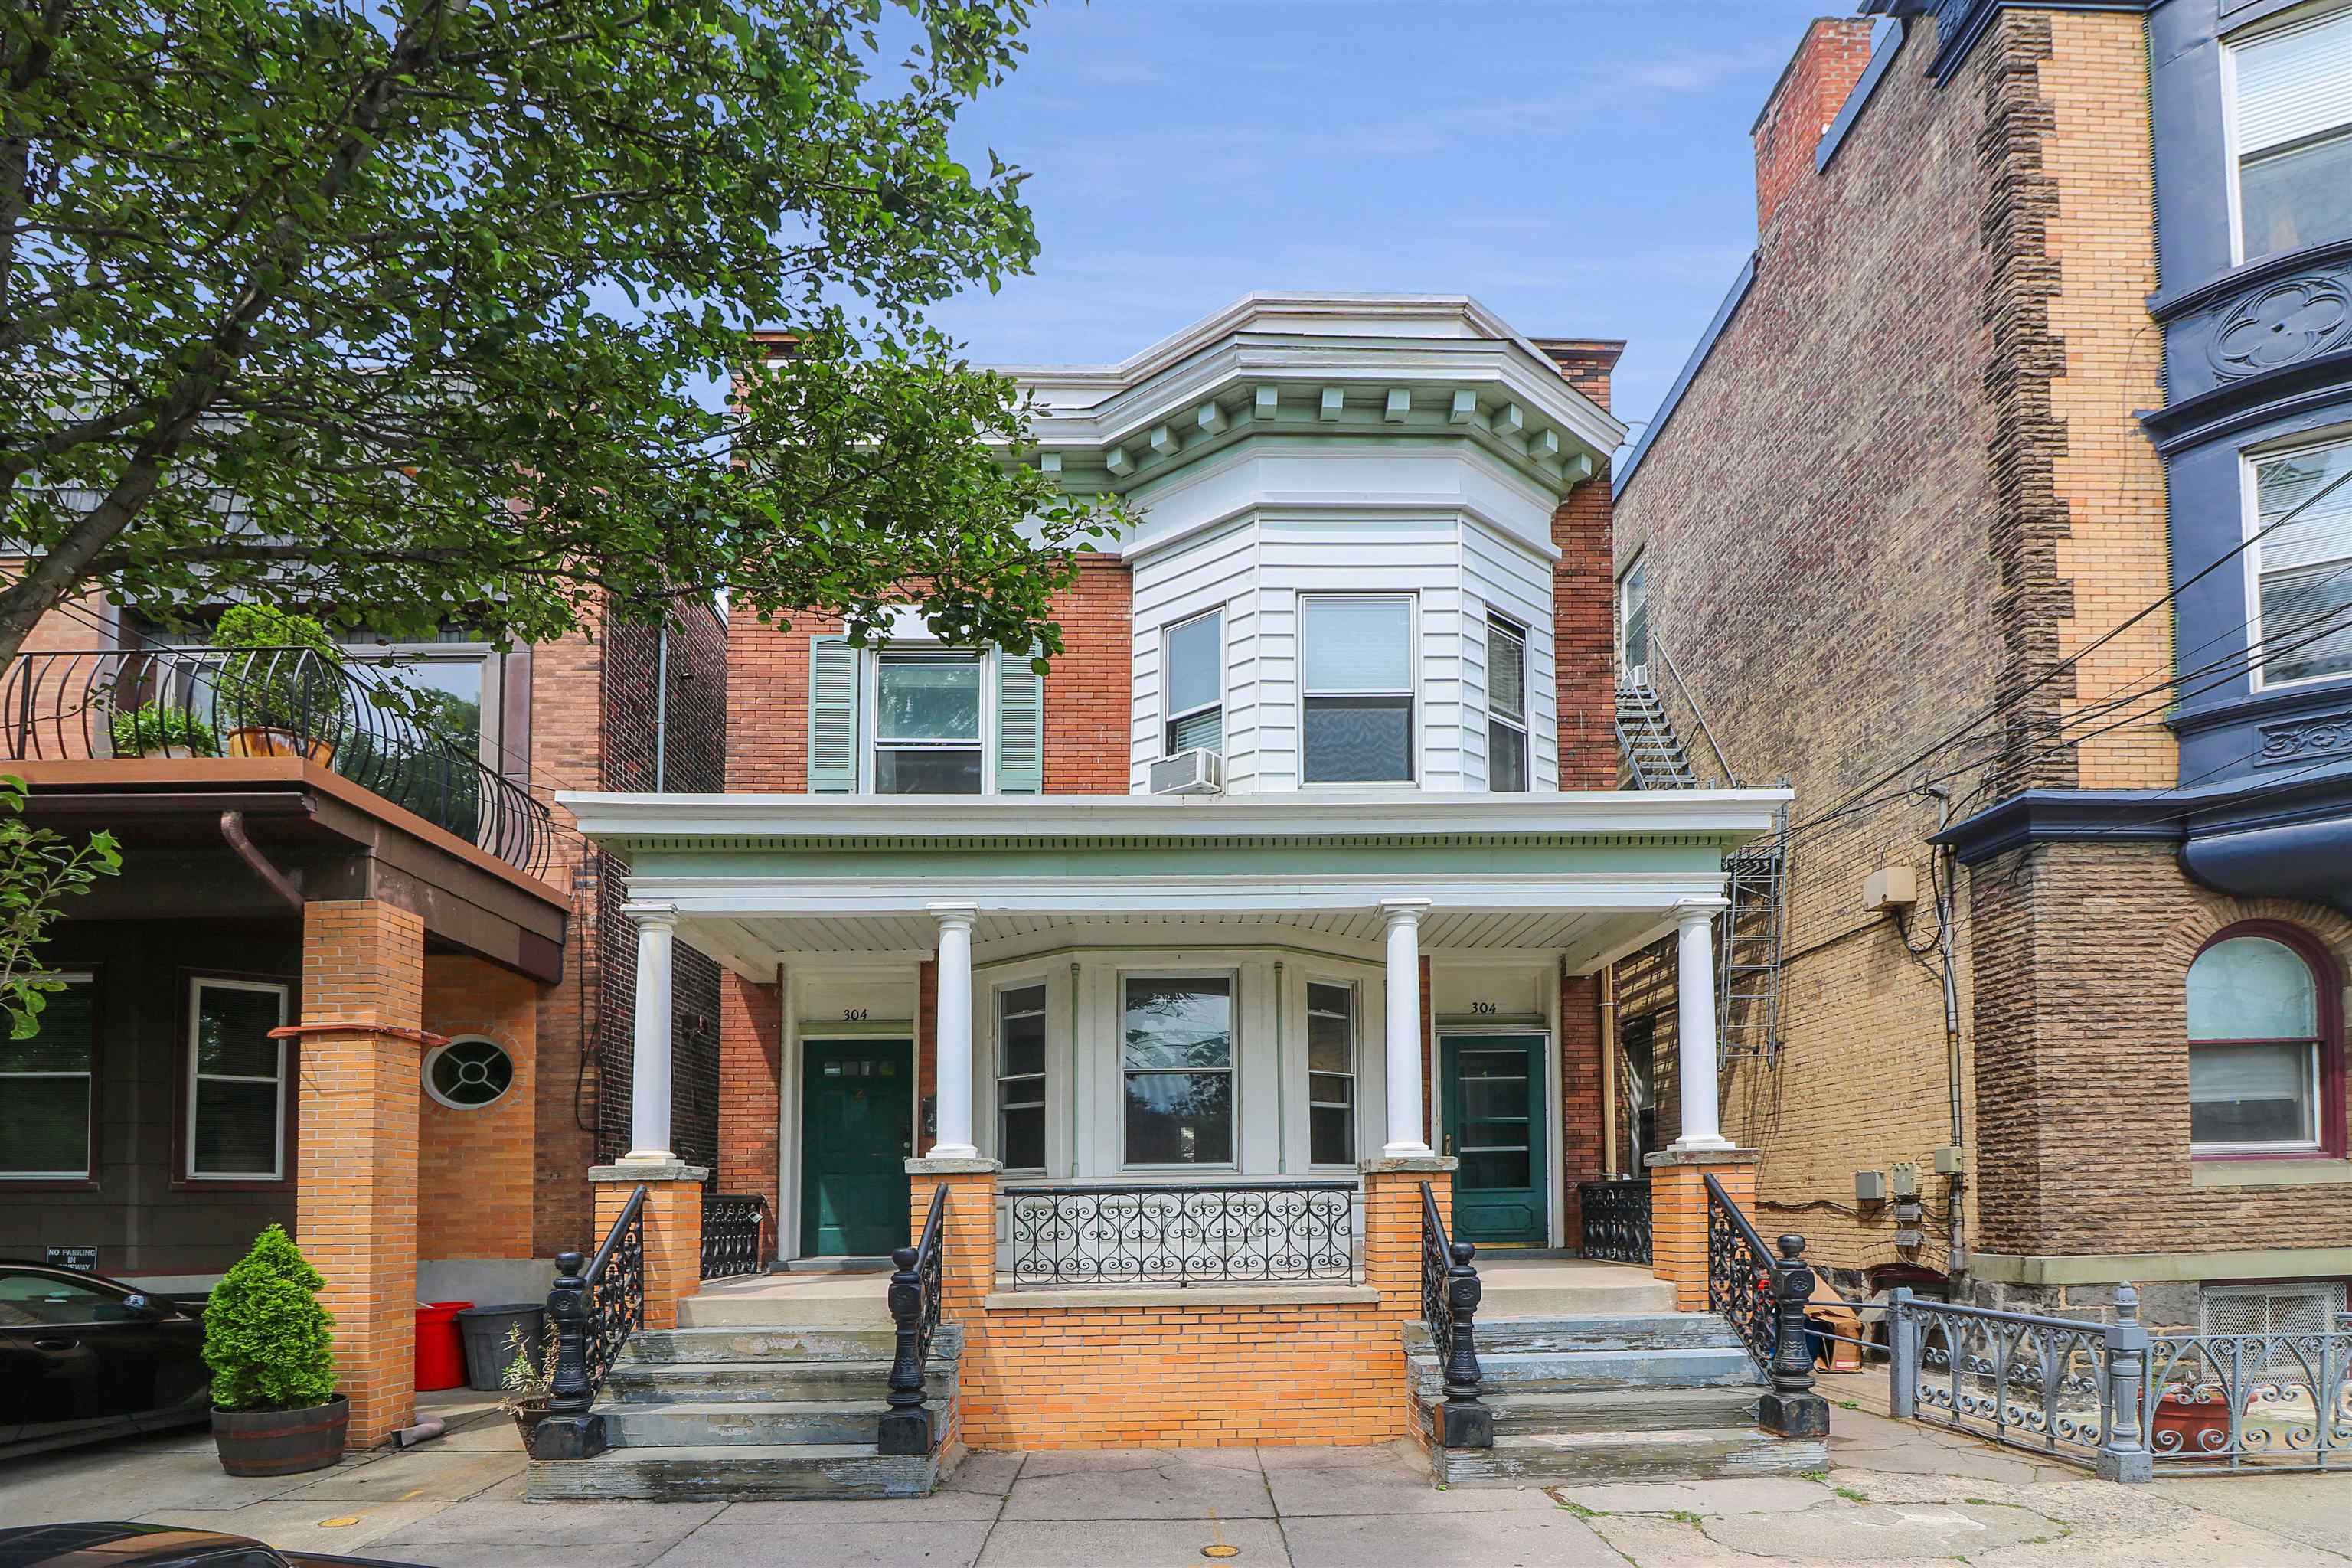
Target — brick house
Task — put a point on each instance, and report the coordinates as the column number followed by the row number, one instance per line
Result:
column 331, row 988
column 1176, row 970
column 1993, row 506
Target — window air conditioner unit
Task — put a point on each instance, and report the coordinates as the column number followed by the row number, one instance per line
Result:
column 1195, row 771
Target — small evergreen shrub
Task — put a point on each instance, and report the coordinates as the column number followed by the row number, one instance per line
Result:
column 287, row 677
column 268, row 1341
column 152, row 728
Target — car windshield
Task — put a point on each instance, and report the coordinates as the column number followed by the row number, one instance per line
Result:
column 31, row 1300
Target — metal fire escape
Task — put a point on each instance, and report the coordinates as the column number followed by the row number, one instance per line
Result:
column 1749, row 935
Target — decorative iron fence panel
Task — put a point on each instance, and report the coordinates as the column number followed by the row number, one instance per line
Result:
column 2121, row 1399
column 1741, row 1286
column 733, row 1227
column 595, row 1309
column 1616, row 1219
column 1237, row 1234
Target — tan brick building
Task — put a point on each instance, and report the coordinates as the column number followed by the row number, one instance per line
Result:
column 1919, row 531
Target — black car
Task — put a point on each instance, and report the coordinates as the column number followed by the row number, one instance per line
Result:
column 153, row 1546
column 84, row 1357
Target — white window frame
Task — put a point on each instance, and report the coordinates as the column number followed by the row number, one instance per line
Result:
column 1497, row 621
column 1355, row 1074
column 1411, row 691
column 1231, row 976
column 436, row 1054
column 1044, row 1104
column 2249, row 461
column 90, row 1095
column 870, row 770
column 1639, row 566
column 1171, row 716
column 197, row 984
column 2232, row 163
column 396, row 656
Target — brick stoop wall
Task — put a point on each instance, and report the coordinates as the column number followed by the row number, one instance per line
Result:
column 1167, row 1375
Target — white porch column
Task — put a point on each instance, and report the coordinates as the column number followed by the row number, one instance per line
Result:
column 649, row 1062
column 1405, row 1141
column 956, row 921
column 1695, row 1014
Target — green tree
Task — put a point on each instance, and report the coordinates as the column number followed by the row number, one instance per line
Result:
column 413, row 311
column 39, row 868
column 269, row 1343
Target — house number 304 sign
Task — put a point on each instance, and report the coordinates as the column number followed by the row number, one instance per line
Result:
column 1484, row 1008
column 853, row 1015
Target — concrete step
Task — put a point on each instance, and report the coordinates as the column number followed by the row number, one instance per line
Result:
column 1567, row 1372
column 742, row 1423
column 1623, row 1331
column 1623, row 1410
column 1700, row 1454
column 835, row 1299
column 657, row 1382
column 1508, row 1297
column 820, row 1342
column 733, row 1474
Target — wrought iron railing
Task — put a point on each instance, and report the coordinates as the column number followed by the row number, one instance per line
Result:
column 1763, row 1298
column 2119, row 1398
column 344, row 715
column 915, row 1293
column 733, row 1228
column 594, row 1310
column 1234, row 1234
column 1449, row 1293
column 1616, row 1219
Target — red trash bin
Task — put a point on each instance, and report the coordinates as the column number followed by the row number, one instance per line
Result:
column 440, row 1346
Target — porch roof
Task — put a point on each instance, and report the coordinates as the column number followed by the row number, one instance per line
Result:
column 757, row 878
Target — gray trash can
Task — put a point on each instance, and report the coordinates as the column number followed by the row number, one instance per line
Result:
column 485, row 1329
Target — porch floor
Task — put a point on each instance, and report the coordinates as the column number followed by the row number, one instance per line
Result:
column 1515, row 1288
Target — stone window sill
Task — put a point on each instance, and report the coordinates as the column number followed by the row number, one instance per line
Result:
column 2309, row 1171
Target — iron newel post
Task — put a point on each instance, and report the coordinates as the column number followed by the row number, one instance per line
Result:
column 572, row 1430
column 1466, row 1423
column 906, row 1426
column 1793, row 1409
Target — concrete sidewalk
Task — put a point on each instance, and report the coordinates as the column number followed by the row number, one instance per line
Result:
column 1894, row 1493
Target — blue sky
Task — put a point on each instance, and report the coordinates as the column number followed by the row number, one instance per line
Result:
column 1582, row 166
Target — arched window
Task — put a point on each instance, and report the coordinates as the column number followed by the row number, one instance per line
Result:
column 2265, row 1045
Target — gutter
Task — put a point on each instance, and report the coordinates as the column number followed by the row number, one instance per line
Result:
column 231, row 824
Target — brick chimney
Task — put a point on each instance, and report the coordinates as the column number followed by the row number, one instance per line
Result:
column 1810, row 91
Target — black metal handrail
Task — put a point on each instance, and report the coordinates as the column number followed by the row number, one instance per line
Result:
column 1616, row 1216
column 733, row 1226
column 162, row 701
column 1449, row 1293
column 914, row 1290
column 596, row 1309
column 1240, row 1233
column 1763, row 1299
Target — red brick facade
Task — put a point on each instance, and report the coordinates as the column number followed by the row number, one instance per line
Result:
column 1831, row 60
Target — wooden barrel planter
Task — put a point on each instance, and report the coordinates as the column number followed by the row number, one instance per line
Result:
column 281, row 1442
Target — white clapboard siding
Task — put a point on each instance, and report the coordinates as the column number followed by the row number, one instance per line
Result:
column 1507, row 578
column 1211, row 570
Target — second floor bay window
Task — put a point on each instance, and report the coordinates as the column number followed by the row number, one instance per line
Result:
column 1506, row 706
column 1356, row 688
column 2303, row 562
column 2290, row 106
column 1195, row 678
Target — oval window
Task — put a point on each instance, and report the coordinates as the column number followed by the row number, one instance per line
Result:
column 468, row 1074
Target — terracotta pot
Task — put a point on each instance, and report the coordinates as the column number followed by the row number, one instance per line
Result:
column 267, row 741
column 2190, row 1426
column 281, row 1442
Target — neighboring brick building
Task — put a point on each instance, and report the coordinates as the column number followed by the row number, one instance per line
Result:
column 1904, row 530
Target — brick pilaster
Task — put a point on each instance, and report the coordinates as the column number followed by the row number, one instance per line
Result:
column 673, row 1221
column 356, row 1198
column 1678, row 1212
column 967, row 1270
column 1392, row 1222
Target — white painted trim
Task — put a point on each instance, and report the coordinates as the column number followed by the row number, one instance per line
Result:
column 2250, row 460
column 197, row 984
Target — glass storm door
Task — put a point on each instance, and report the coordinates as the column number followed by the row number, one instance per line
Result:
column 857, row 1112
column 1493, row 1089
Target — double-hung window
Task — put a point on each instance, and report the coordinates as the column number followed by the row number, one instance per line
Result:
column 2290, row 91
column 1194, row 656
column 2259, row 1033
column 1021, row 1078
column 1357, row 688
column 1506, row 706
column 1330, row 1074
column 236, row 1085
column 45, row 1089
column 1176, row 1052
column 2301, row 561
column 926, row 723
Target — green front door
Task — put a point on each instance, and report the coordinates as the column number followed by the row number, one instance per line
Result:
column 857, row 1113
column 1493, row 1086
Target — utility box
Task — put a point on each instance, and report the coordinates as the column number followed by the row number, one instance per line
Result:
column 1907, row 1180
column 1869, row 1187
column 1950, row 1161
column 1890, row 887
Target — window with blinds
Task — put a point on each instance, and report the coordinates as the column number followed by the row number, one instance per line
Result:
column 1506, row 706
column 2303, row 563
column 1357, row 688
column 2291, row 117
column 1194, row 660
column 2258, row 1034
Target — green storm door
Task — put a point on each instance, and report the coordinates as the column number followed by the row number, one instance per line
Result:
column 1494, row 1095
column 858, row 1112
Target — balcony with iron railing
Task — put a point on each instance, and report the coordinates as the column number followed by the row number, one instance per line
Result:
column 159, row 702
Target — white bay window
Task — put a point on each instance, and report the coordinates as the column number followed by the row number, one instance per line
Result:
column 1357, row 688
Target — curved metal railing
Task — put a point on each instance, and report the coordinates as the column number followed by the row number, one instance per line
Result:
column 160, row 700
column 594, row 1310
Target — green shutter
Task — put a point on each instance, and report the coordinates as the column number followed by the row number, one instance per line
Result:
column 832, row 716
column 1020, row 726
